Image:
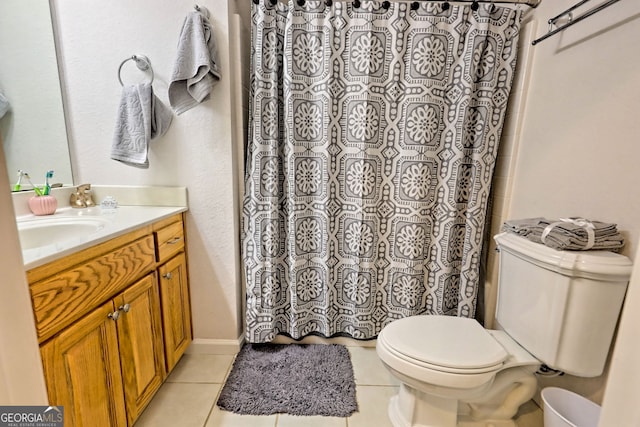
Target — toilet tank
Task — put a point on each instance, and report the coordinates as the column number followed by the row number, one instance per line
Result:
column 562, row 306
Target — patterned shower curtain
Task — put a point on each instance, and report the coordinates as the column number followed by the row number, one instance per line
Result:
column 372, row 143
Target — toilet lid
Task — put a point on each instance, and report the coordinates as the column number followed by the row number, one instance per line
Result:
column 446, row 341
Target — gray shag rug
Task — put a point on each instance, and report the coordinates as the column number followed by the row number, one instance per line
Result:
column 313, row 379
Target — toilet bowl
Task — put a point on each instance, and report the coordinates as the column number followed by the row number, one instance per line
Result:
column 454, row 373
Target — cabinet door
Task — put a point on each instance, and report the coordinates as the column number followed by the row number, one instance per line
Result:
column 176, row 310
column 82, row 370
column 141, row 349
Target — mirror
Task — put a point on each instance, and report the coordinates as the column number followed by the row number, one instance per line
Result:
column 33, row 131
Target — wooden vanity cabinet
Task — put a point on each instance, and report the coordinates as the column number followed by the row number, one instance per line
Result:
column 174, row 289
column 82, row 371
column 141, row 345
column 104, row 318
column 176, row 312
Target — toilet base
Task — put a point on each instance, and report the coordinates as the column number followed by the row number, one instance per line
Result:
column 433, row 413
column 413, row 408
column 494, row 408
column 488, row 423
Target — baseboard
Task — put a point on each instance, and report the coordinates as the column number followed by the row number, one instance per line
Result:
column 220, row 346
column 215, row 346
column 313, row 339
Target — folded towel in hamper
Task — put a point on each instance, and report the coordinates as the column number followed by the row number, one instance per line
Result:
column 568, row 233
column 196, row 69
column 141, row 118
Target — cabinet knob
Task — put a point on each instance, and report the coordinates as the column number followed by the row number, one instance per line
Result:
column 167, row 276
column 125, row 308
column 174, row 240
column 114, row 315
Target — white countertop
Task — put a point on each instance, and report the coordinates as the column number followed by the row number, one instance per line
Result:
column 117, row 222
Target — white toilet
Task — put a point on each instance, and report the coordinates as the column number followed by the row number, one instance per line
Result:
column 556, row 308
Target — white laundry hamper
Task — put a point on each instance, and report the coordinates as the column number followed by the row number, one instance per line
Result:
column 563, row 408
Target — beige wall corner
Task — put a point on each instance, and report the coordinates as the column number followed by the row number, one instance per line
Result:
column 21, row 377
column 620, row 403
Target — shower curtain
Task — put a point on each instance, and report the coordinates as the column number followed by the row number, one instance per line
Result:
column 372, row 142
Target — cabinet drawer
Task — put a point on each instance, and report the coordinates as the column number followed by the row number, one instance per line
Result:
column 169, row 241
column 63, row 298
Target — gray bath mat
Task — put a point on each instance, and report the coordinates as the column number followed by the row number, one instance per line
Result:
column 312, row 379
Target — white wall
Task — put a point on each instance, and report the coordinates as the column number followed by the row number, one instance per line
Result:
column 578, row 143
column 580, row 140
column 197, row 152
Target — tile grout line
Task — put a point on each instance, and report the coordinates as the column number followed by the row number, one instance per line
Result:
column 206, row 420
column 378, row 385
column 215, row 400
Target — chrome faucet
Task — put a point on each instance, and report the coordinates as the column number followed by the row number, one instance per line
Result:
column 82, row 198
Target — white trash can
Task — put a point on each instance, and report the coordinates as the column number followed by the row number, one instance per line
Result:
column 563, row 408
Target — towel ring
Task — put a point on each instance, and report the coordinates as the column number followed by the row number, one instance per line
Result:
column 143, row 64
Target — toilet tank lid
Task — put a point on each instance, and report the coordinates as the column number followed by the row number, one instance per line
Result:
column 599, row 265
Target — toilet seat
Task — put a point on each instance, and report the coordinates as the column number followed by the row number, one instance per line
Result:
column 447, row 344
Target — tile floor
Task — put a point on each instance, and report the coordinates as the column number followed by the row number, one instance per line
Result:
column 188, row 397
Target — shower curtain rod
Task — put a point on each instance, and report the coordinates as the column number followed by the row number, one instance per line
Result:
column 572, row 20
column 532, row 3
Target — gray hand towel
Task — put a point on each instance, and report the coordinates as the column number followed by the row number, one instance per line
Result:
column 196, row 69
column 142, row 117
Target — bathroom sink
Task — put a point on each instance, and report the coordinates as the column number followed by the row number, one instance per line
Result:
column 35, row 233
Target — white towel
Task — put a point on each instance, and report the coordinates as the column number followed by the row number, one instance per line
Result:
column 196, row 69
column 141, row 118
column 4, row 105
